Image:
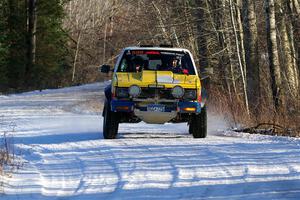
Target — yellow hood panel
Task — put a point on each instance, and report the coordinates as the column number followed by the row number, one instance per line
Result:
column 146, row 78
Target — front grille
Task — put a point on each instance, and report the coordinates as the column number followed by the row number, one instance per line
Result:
column 189, row 95
column 156, row 93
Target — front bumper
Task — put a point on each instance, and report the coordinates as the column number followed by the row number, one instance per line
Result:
column 180, row 107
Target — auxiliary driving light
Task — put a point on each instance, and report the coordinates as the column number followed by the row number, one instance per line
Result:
column 134, row 91
column 178, row 92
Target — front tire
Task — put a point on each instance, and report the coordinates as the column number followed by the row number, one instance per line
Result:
column 198, row 124
column 110, row 123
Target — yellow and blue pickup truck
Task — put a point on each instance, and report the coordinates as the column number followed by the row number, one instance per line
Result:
column 155, row 85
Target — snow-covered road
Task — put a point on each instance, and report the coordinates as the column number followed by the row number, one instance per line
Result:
column 59, row 141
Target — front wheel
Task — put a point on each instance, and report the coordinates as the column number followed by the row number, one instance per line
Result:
column 198, row 124
column 110, row 123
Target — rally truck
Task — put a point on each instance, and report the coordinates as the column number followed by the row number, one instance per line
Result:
column 156, row 85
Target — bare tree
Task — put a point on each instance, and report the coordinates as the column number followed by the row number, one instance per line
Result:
column 288, row 51
column 86, row 21
column 251, row 53
column 201, row 39
column 239, row 56
column 275, row 71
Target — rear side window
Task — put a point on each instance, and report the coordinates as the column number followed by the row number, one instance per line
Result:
column 138, row 60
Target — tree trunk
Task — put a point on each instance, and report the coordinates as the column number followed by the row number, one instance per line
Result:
column 239, row 57
column 161, row 22
column 296, row 6
column 218, row 23
column 238, row 17
column 31, row 38
column 76, row 55
column 274, row 66
column 289, row 55
column 111, row 29
column 192, row 42
column 201, row 39
column 251, row 54
column 226, row 33
column 294, row 15
column 104, row 44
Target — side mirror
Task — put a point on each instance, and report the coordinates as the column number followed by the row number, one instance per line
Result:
column 105, row 69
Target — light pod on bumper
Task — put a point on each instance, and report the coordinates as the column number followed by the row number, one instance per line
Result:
column 178, row 92
column 134, row 91
column 122, row 92
column 190, row 95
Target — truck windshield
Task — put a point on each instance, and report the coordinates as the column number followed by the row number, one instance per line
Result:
column 138, row 60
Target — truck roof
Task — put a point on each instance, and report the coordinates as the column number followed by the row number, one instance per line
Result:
column 157, row 48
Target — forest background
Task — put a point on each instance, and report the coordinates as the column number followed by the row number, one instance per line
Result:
column 251, row 46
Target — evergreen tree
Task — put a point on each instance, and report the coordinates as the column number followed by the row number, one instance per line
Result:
column 15, row 27
column 51, row 52
column 17, row 71
column 3, row 48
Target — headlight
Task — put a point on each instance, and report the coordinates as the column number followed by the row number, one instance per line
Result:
column 134, row 91
column 122, row 92
column 190, row 94
column 177, row 92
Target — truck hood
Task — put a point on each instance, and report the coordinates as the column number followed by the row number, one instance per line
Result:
column 166, row 78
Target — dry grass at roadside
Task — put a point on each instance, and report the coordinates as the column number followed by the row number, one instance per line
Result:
column 6, row 157
column 265, row 121
column 6, row 154
column 8, row 161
